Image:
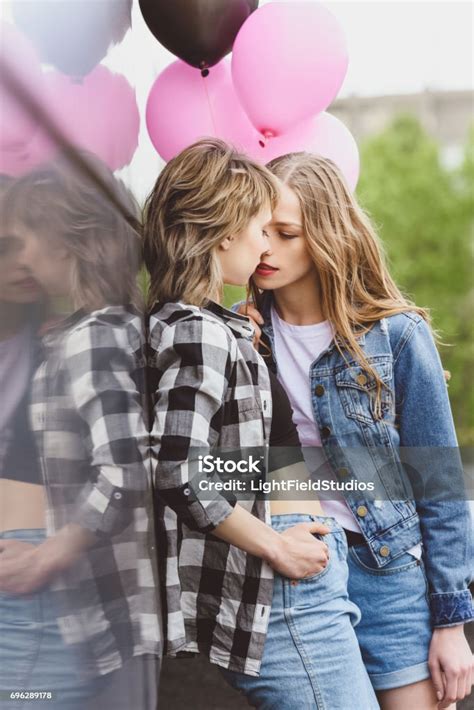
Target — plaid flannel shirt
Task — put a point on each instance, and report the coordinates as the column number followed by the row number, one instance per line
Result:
column 210, row 392
column 87, row 415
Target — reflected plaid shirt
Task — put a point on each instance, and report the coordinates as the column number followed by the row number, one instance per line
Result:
column 87, row 415
column 210, row 391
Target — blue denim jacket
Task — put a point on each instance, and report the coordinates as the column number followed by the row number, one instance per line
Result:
column 416, row 413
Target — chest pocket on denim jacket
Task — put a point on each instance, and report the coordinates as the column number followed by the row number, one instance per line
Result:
column 357, row 389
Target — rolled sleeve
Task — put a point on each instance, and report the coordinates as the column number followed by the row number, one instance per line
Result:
column 451, row 608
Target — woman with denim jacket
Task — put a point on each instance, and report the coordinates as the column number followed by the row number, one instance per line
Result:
column 359, row 363
column 205, row 224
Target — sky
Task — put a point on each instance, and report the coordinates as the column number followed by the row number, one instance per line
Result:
column 395, row 46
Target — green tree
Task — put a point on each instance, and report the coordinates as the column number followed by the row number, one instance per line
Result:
column 424, row 215
column 232, row 294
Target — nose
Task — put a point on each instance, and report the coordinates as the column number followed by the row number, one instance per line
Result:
column 24, row 256
column 268, row 249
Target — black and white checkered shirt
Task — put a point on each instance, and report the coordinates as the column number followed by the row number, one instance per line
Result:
column 210, row 392
column 87, row 415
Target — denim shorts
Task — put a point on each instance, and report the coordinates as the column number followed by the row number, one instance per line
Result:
column 395, row 629
column 33, row 655
column 311, row 657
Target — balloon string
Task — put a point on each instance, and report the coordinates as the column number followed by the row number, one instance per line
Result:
column 208, row 98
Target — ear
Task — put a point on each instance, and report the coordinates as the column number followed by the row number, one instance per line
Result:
column 226, row 243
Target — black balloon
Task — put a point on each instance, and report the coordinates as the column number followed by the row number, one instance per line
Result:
column 201, row 32
column 73, row 35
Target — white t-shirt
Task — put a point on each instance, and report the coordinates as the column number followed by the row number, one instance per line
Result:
column 296, row 348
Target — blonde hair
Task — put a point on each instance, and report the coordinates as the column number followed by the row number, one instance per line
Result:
column 205, row 194
column 93, row 216
column 356, row 287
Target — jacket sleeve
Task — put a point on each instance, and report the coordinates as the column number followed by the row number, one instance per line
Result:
column 194, row 362
column 426, row 424
column 100, row 364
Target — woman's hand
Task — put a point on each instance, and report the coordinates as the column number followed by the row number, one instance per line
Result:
column 451, row 665
column 294, row 553
column 22, row 569
column 302, row 555
column 26, row 568
column 249, row 310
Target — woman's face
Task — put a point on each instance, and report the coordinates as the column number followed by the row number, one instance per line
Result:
column 40, row 260
column 17, row 284
column 287, row 260
column 241, row 254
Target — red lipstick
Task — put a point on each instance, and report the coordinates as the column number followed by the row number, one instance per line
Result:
column 264, row 269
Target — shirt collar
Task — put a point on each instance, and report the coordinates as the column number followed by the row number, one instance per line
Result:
column 55, row 328
column 235, row 321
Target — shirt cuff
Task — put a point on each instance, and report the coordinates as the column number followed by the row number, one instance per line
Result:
column 199, row 512
column 451, row 608
column 103, row 515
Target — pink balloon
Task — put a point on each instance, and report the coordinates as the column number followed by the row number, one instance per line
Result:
column 183, row 106
column 98, row 113
column 289, row 61
column 18, row 58
column 324, row 135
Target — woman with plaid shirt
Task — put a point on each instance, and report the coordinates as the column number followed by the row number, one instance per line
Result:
column 91, row 602
column 222, row 565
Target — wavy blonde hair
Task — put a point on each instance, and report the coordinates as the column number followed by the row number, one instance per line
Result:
column 356, row 287
column 93, row 215
column 205, row 194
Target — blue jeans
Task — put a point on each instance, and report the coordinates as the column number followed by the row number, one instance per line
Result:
column 395, row 630
column 311, row 657
column 33, row 654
